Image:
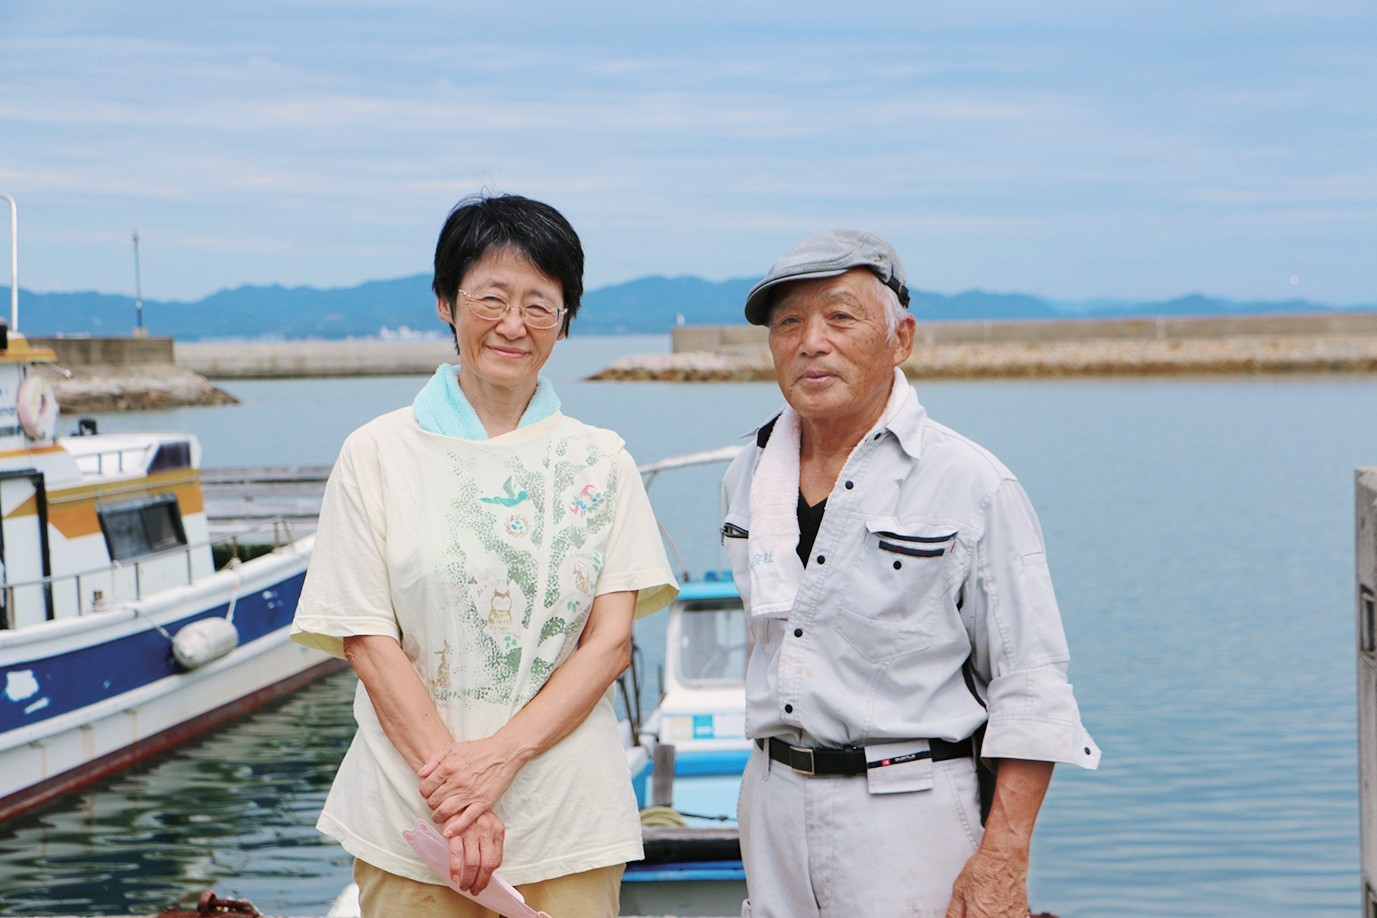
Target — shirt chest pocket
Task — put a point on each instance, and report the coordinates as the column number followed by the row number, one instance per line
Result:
column 900, row 580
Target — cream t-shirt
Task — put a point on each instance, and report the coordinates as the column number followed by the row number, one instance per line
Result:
column 482, row 558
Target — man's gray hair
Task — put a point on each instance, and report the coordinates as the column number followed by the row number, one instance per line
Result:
column 894, row 311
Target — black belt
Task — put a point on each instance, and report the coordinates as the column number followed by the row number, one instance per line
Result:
column 850, row 760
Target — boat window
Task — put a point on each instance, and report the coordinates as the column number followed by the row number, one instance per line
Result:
column 143, row 527
column 174, row 455
column 712, row 642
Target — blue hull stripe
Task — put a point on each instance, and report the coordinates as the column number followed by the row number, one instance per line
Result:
column 73, row 680
column 715, row 762
column 686, row 871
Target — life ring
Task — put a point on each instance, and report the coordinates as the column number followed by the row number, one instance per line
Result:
column 37, row 407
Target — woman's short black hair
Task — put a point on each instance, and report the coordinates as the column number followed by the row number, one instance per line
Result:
column 537, row 231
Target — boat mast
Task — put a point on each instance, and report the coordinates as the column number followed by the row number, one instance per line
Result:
column 138, row 290
column 14, row 262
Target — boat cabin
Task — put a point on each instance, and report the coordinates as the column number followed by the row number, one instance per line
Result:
column 87, row 520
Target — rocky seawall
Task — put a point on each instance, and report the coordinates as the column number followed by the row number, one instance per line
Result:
column 130, row 374
column 124, row 374
column 99, row 389
column 1042, row 359
column 1299, row 344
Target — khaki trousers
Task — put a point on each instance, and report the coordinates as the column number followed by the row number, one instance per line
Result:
column 591, row 894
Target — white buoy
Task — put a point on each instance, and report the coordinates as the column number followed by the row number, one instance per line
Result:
column 202, row 641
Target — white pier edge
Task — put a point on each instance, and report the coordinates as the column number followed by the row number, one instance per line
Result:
column 1366, row 542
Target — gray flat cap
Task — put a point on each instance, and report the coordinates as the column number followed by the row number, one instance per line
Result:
column 828, row 255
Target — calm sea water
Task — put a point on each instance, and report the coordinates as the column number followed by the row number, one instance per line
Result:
column 1201, row 536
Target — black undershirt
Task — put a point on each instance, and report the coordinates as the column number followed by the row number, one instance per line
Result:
column 809, row 521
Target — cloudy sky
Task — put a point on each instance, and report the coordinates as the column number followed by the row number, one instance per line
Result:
column 1097, row 148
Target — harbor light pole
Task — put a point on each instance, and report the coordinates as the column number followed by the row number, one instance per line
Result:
column 14, row 261
column 138, row 291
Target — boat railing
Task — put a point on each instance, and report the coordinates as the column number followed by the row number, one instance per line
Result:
column 649, row 471
column 117, row 460
column 100, row 588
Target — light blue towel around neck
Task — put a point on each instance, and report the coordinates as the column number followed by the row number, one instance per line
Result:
column 442, row 408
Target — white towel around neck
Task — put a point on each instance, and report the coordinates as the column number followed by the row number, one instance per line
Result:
column 773, row 543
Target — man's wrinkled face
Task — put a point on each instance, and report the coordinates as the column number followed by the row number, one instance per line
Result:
column 831, row 347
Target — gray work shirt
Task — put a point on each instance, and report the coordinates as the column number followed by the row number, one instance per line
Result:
column 929, row 555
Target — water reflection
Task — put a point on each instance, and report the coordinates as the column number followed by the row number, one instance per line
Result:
column 234, row 811
column 1201, row 538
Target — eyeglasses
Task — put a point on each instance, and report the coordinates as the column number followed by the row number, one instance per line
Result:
column 492, row 306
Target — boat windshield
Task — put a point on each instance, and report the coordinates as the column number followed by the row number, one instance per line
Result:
column 712, row 642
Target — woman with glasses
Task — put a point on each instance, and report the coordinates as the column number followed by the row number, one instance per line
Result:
column 479, row 560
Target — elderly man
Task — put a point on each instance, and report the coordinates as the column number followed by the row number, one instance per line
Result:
column 907, row 643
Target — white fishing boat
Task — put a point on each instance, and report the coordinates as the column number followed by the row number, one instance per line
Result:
column 118, row 635
column 692, row 748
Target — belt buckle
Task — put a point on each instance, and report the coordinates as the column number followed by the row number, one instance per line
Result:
column 795, row 751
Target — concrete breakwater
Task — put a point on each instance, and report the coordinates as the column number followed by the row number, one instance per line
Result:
column 125, row 374
column 295, row 359
column 130, row 374
column 118, row 374
column 1341, row 342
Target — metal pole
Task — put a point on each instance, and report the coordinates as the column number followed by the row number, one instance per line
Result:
column 138, row 286
column 14, row 262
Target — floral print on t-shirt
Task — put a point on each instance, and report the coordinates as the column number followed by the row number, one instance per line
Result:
column 521, row 550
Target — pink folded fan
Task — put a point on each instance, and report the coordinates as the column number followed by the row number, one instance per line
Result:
column 500, row 896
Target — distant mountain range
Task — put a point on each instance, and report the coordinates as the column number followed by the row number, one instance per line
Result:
column 405, row 306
